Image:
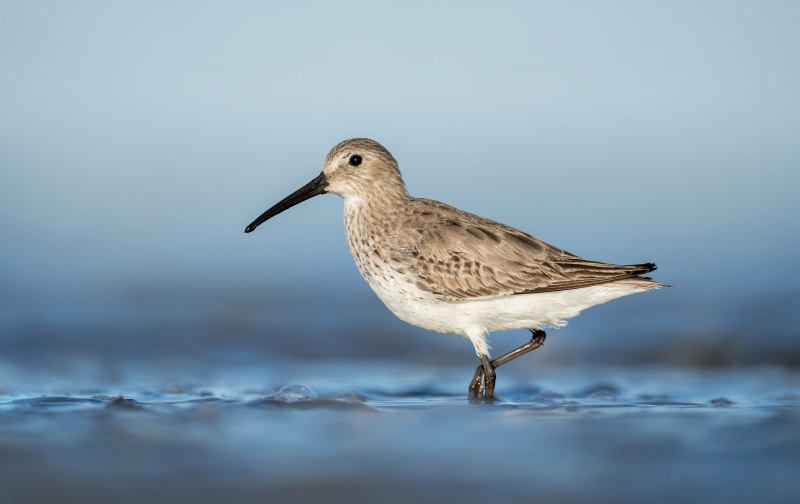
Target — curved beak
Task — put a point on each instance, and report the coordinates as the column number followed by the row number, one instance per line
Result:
column 313, row 188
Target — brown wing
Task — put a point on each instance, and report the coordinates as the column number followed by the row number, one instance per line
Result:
column 458, row 256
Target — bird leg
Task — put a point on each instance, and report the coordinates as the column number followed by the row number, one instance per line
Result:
column 537, row 340
column 482, row 385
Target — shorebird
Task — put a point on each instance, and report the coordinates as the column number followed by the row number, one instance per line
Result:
column 449, row 271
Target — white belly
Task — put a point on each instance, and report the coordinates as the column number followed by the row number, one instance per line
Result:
column 474, row 319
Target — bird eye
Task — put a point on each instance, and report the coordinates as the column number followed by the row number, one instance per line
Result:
column 355, row 160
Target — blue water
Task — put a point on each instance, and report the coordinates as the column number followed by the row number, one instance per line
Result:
column 383, row 433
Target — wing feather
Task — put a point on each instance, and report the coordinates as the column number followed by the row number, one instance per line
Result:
column 458, row 256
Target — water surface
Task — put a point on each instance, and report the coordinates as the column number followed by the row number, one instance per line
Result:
column 378, row 432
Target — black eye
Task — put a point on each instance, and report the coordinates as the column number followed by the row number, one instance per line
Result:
column 355, row 160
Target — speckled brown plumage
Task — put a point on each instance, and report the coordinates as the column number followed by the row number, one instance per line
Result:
column 454, row 254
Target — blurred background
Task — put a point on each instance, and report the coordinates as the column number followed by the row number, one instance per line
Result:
column 138, row 139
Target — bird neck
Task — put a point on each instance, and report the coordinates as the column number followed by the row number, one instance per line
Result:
column 367, row 219
column 377, row 204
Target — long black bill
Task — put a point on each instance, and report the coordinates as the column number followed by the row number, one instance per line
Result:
column 313, row 188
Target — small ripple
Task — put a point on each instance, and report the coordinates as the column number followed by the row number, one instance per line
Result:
column 599, row 390
column 56, row 401
column 121, row 402
column 293, row 393
column 309, row 404
column 721, row 402
column 668, row 403
column 603, row 396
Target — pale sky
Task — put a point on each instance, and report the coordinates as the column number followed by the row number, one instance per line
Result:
column 140, row 138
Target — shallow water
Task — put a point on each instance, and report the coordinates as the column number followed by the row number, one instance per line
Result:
column 380, row 433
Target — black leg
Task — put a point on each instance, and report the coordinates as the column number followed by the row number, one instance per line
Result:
column 482, row 385
column 481, row 389
column 536, row 341
column 476, row 385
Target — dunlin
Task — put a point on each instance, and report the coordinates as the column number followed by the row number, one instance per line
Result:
column 449, row 271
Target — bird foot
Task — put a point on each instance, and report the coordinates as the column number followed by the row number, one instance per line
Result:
column 481, row 388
